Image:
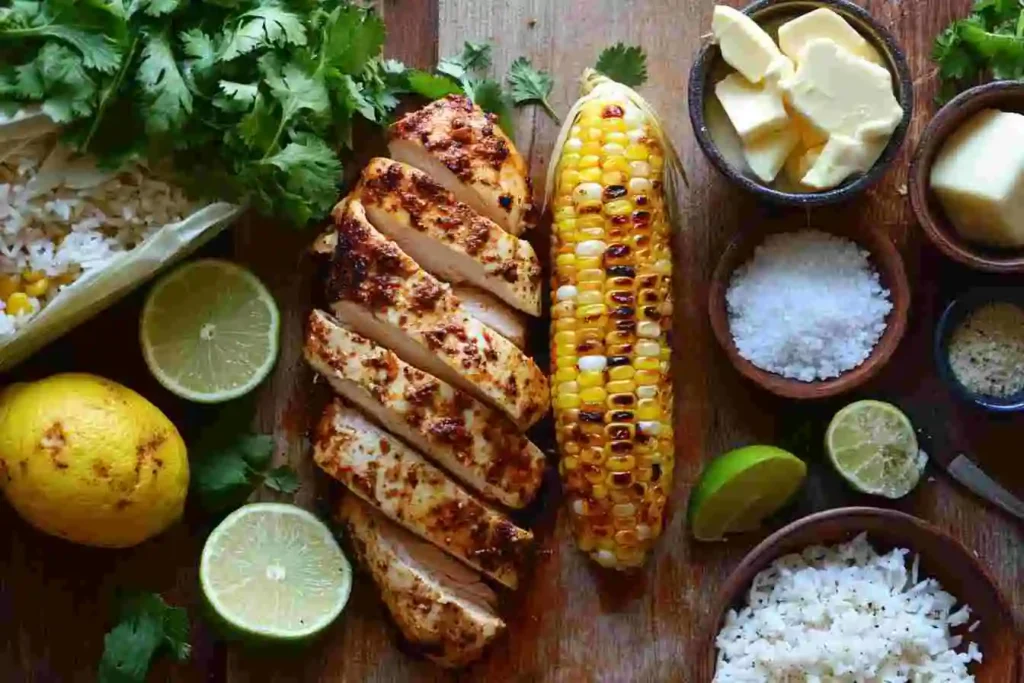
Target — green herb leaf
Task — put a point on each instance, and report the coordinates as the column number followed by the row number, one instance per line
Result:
column 530, row 86
column 156, row 8
column 311, row 167
column 989, row 42
column 489, row 96
column 222, row 480
column 265, row 26
column 238, row 97
column 474, row 60
column 627, row 65
column 146, row 625
column 354, row 36
column 282, row 479
column 168, row 99
column 80, row 27
column 432, row 87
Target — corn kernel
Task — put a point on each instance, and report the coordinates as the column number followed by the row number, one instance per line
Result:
column 596, row 233
column 569, row 463
column 623, row 386
column 590, row 161
column 590, row 175
column 647, row 378
column 591, row 379
column 648, row 348
column 566, row 375
column 657, row 162
column 639, row 169
column 619, row 207
column 593, row 395
column 563, row 402
column 616, row 137
column 18, row 303
column 593, row 455
column 621, row 372
column 32, row 275
column 570, row 178
column 636, row 152
column 565, row 349
column 588, row 298
column 618, row 163
column 593, row 134
column 37, row 288
column 648, row 409
column 614, row 125
column 621, row 463
column 569, row 161
column 591, row 147
column 599, row 492
column 645, row 363
column 564, row 213
column 589, row 263
column 591, row 312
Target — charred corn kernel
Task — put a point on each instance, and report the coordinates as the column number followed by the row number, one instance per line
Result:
column 18, row 303
column 32, row 275
column 612, row 405
column 569, row 463
column 9, row 284
column 38, row 288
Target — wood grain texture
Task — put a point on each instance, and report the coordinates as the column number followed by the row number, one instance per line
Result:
column 570, row 622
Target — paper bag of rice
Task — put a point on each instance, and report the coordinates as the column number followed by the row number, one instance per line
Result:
column 75, row 237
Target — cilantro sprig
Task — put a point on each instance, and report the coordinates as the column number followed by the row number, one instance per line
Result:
column 146, row 627
column 989, row 43
column 251, row 99
column 625, row 64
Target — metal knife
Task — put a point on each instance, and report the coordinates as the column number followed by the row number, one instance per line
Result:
column 965, row 471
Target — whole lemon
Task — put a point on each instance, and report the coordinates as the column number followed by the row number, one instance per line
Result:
column 91, row 461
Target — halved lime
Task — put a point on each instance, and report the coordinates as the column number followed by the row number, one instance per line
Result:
column 873, row 445
column 739, row 489
column 209, row 331
column 274, row 571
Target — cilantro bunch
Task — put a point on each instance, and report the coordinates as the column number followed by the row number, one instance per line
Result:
column 987, row 44
column 251, row 100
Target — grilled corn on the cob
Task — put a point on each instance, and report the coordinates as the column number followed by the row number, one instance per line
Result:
column 611, row 315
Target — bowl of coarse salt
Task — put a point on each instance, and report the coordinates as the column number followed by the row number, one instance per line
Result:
column 808, row 314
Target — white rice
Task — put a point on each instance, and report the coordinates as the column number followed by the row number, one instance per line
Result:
column 845, row 614
column 808, row 306
column 61, row 216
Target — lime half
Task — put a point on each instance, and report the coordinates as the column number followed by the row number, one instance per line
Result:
column 209, row 331
column 739, row 489
column 873, row 445
column 275, row 571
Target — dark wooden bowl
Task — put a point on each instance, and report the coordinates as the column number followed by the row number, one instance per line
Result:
column 709, row 66
column 942, row 557
column 1005, row 95
column 886, row 260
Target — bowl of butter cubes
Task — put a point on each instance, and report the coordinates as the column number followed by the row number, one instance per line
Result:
column 801, row 102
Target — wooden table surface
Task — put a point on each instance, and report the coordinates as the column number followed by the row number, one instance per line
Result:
column 569, row 622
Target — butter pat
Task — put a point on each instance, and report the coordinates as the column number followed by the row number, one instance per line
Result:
column 767, row 155
column 745, row 46
column 754, row 110
column 824, row 23
column 842, row 94
column 840, row 158
column 799, row 163
column 978, row 177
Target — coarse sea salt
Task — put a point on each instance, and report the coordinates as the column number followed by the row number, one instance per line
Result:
column 807, row 306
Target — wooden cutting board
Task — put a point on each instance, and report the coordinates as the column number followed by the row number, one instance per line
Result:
column 570, row 622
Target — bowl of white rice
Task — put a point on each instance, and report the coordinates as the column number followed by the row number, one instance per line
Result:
column 860, row 595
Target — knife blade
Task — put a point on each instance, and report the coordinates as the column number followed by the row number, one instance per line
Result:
column 965, row 471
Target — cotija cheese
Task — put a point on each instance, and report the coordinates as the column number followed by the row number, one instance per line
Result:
column 808, row 306
column 986, row 352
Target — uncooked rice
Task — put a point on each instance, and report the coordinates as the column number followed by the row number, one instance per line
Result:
column 845, row 614
column 63, row 217
column 808, row 306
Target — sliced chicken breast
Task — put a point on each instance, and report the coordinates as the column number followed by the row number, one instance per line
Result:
column 377, row 290
column 504, row 320
column 447, row 237
column 474, row 442
column 441, row 607
column 465, row 150
column 407, row 489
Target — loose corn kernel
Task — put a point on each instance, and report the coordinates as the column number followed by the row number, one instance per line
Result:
column 18, row 303
column 38, row 288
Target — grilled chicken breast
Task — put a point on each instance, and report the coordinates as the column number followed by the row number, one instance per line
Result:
column 378, row 291
column 465, row 150
column 389, row 475
column 506, row 321
column 441, row 607
column 447, row 237
column 476, row 443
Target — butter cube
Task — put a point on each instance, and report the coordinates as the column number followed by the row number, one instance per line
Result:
column 768, row 154
column 824, row 23
column 842, row 94
column 840, row 158
column 809, row 135
column 754, row 110
column 745, row 46
column 800, row 162
column 978, row 177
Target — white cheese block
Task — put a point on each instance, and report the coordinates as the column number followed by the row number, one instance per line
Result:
column 754, row 110
column 824, row 23
column 840, row 158
column 768, row 154
column 978, row 177
column 745, row 46
column 842, row 94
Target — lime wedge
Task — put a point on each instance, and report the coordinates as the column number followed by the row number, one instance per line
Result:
column 739, row 489
column 274, row 571
column 873, row 445
column 209, row 331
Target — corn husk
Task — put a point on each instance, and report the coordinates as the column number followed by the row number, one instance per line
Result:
column 594, row 85
column 97, row 289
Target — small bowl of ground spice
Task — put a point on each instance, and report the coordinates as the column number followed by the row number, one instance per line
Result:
column 979, row 348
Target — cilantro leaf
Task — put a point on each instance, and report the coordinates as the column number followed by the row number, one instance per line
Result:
column 256, row 450
column 488, row 95
column 146, row 625
column 354, row 36
column 168, row 99
column 989, row 42
column 312, row 167
column 80, row 28
column 58, row 79
column 627, row 65
column 282, row 479
column 530, row 85
column 430, row 86
column 264, row 26
column 222, row 480
column 156, row 8
column 296, row 89
column 475, row 59
column 237, row 97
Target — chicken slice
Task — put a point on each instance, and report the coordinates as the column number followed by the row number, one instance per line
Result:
column 442, row 608
column 392, row 477
column 464, row 149
column 496, row 315
column 474, row 442
column 447, row 237
column 375, row 289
